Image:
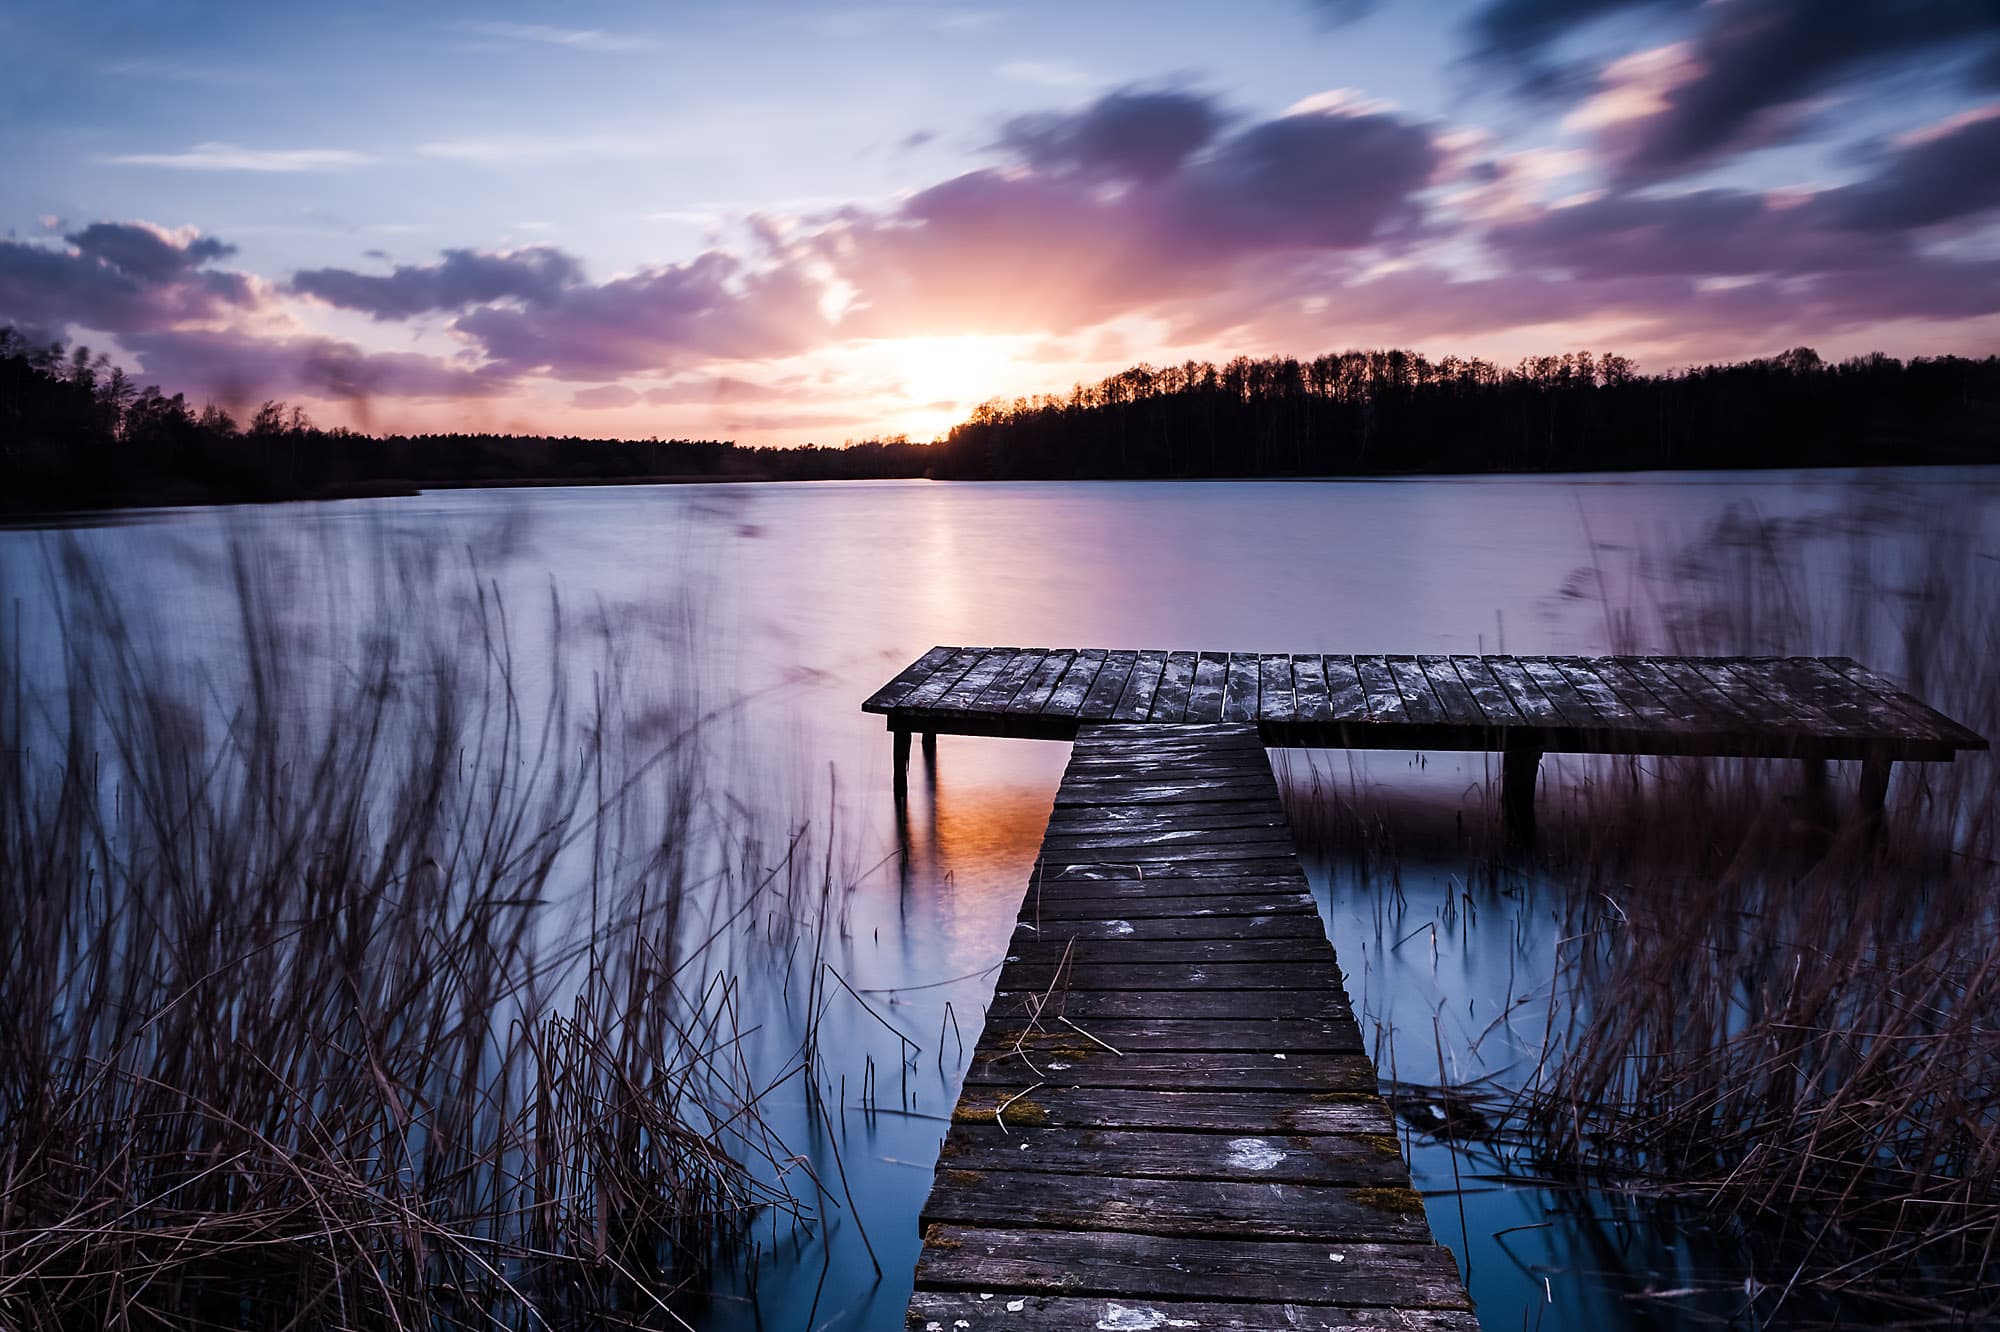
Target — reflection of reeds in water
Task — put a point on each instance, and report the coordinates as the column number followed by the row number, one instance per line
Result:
column 1757, row 1010
column 377, row 996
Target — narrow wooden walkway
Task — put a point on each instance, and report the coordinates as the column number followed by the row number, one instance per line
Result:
column 1170, row 1121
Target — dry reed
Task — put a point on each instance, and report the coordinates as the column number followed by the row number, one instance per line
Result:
column 358, row 989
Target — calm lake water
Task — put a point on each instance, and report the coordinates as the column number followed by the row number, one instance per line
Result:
column 787, row 605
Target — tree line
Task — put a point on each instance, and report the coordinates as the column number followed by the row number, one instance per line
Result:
column 77, row 431
column 1389, row 412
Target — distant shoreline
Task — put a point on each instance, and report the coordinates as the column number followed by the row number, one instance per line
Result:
column 15, row 511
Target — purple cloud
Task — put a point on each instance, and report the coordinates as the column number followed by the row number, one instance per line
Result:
column 1126, row 134
column 1754, row 64
column 537, row 275
column 241, row 366
column 118, row 276
column 711, row 307
column 1940, row 176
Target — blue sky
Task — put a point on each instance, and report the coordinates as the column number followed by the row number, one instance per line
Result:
column 782, row 223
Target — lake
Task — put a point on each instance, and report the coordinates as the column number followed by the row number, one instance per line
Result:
column 785, row 605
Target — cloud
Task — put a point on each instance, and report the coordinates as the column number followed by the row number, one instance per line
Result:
column 1939, row 175
column 1749, row 75
column 234, row 157
column 515, row 149
column 574, row 39
column 712, row 307
column 117, row 277
column 1125, row 134
column 463, row 278
column 1131, row 202
column 242, row 365
column 1327, row 179
column 603, row 396
column 1521, row 32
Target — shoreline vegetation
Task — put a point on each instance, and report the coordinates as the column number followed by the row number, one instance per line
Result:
column 394, row 980
column 77, row 433
column 1761, row 1015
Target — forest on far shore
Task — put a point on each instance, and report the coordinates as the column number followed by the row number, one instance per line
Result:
column 77, row 432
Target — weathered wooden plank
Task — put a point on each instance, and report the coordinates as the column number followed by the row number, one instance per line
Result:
column 1378, row 682
column 993, row 700
column 1400, row 1275
column 1184, row 791
column 1850, row 709
column 1253, row 862
column 1240, row 688
column 961, row 696
column 1074, row 687
column 1086, row 1006
column 1704, row 691
column 1346, row 698
column 1269, row 1036
column 943, row 678
column 891, row 695
column 1653, row 697
column 1607, row 702
column 1320, row 974
column 1488, row 694
column 1762, row 699
column 1145, row 1153
column 1527, row 695
column 1180, row 821
column 1285, row 1113
column 1108, row 889
column 1136, row 703
column 1276, row 699
column 1295, row 923
column 1264, row 834
column 1110, row 764
column 1581, row 710
column 1170, row 702
column 1171, row 1070
column 1034, row 695
column 1211, row 676
column 1101, row 699
column 1452, row 696
column 1178, row 868
column 1215, row 814
column 959, row 1310
column 1245, row 1209
column 1420, row 701
column 1047, row 909
column 1942, row 727
column 1311, row 703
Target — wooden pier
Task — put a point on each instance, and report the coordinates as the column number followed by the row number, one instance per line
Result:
column 1811, row 708
column 1169, row 1120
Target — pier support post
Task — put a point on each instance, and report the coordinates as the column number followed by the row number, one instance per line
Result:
column 1874, row 786
column 1519, row 765
column 901, row 774
column 930, row 749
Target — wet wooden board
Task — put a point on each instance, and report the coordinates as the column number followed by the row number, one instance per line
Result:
column 1801, row 707
column 1113, row 1264
column 962, row 1311
column 1169, row 1061
column 1313, row 1114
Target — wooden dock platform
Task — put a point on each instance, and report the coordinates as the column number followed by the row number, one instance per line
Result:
column 1812, row 708
column 1170, row 1120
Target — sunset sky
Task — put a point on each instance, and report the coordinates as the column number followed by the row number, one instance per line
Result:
column 788, row 223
